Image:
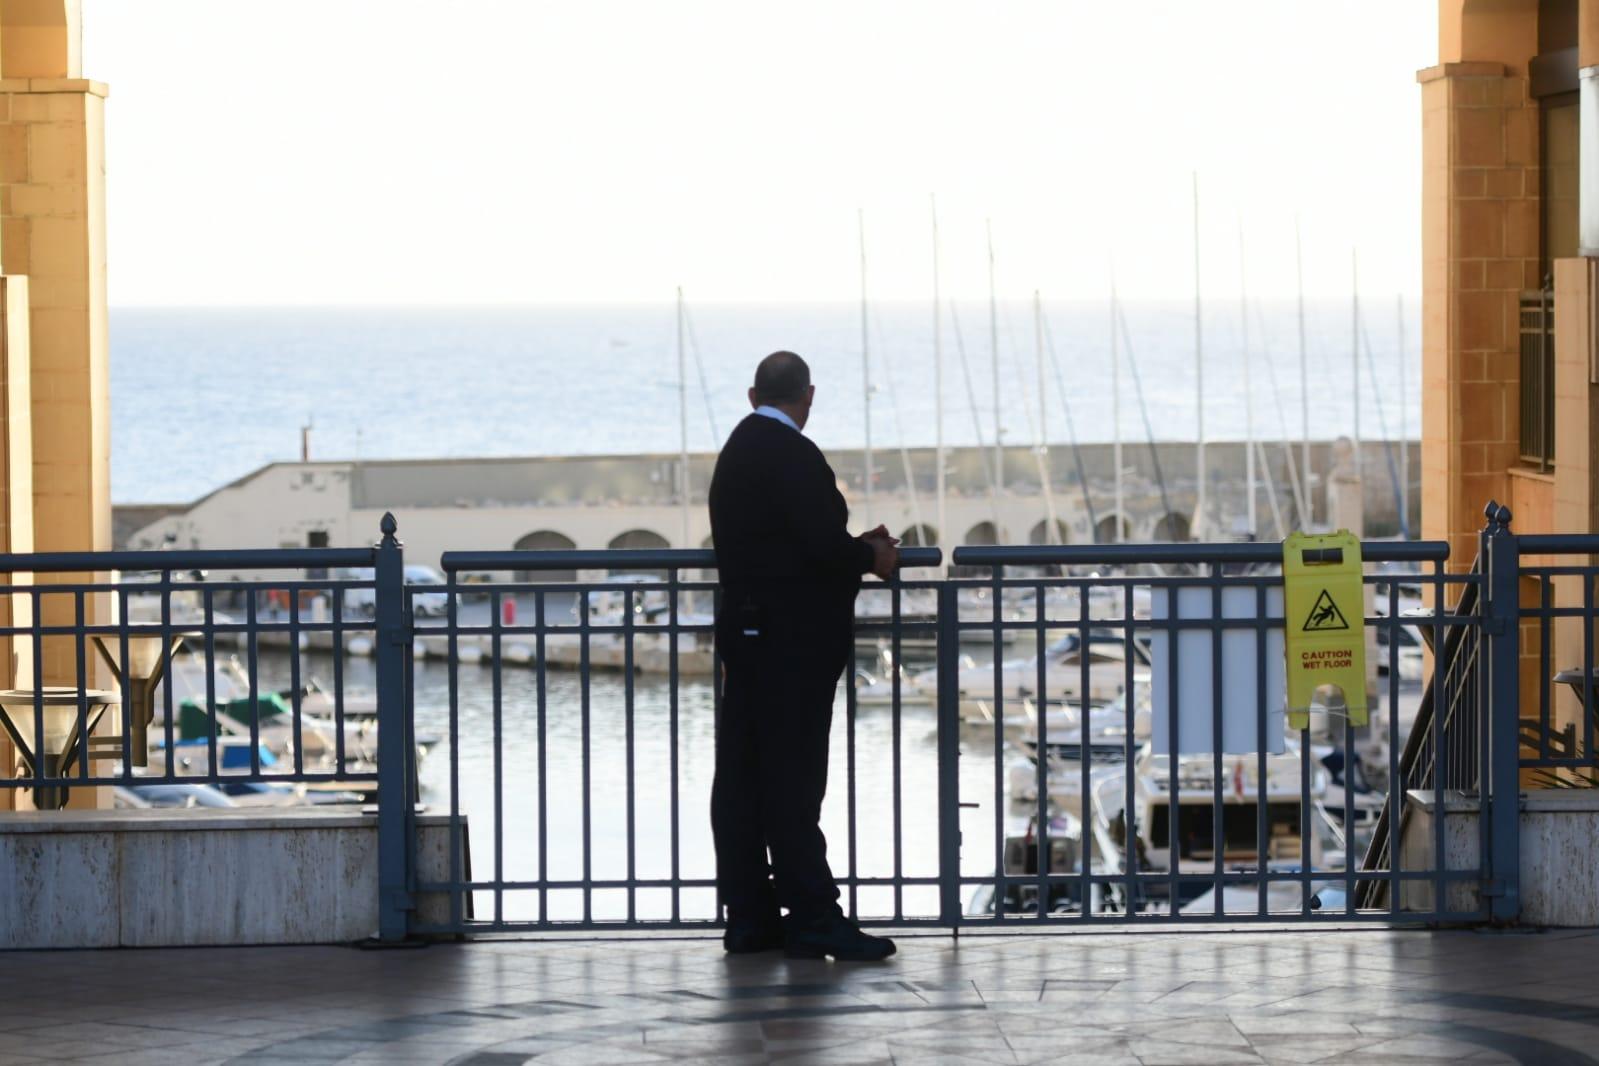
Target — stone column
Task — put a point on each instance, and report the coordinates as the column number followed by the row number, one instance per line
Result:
column 52, row 229
column 1479, row 252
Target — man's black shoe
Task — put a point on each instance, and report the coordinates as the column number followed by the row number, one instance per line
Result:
column 837, row 936
column 750, row 938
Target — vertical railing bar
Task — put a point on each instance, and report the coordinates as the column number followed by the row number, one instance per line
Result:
column 997, row 618
column 1129, row 799
column 125, row 681
column 1587, row 666
column 718, row 676
column 627, row 716
column 1085, row 750
column 584, row 708
column 1218, row 829
column 82, row 666
column 1349, row 772
column 496, row 695
column 167, row 708
column 1441, row 706
column 38, row 695
column 1262, row 793
column 851, row 703
column 338, row 678
column 895, row 647
column 393, row 652
column 1501, row 708
column 1306, row 859
column 1544, row 627
column 252, row 656
column 673, row 577
column 296, row 703
column 1395, row 785
column 541, row 687
column 213, row 766
column 1040, row 709
column 1174, row 808
column 947, row 711
column 452, row 653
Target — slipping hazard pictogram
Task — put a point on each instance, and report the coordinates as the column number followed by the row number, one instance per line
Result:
column 1323, row 585
column 1325, row 616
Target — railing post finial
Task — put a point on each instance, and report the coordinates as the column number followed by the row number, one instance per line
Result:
column 388, row 526
column 1498, row 516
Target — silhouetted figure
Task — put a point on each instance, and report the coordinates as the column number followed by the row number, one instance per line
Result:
column 789, row 572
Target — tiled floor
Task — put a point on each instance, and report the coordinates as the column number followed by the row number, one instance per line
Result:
column 1216, row 997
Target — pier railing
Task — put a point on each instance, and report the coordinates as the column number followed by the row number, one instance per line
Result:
column 1065, row 735
column 149, row 673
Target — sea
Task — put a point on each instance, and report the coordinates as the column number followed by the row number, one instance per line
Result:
column 201, row 396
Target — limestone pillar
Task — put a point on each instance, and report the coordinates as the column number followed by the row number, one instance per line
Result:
column 52, row 229
column 1480, row 238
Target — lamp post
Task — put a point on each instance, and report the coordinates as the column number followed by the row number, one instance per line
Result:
column 20, row 712
column 147, row 661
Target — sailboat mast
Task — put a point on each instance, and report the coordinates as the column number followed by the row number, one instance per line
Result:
column 1354, row 355
column 1198, row 524
column 1309, row 515
column 1116, row 408
column 1051, row 529
column 938, row 379
column 993, row 351
column 1249, row 395
column 682, row 420
column 1404, row 427
column 866, row 369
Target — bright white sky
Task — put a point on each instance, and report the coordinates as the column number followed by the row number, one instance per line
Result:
column 511, row 151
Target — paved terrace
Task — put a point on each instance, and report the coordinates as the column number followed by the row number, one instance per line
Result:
column 1236, row 997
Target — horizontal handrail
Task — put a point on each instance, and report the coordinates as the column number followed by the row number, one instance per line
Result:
column 1134, row 554
column 1558, row 544
column 625, row 558
column 198, row 559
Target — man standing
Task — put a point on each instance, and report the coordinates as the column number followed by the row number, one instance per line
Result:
column 789, row 572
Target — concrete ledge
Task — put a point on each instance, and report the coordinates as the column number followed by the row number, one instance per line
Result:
column 1559, row 854
column 156, row 878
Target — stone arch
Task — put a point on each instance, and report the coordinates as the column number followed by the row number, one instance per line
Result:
column 1105, row 529
column 984, row 533
column 1173, row 527
column 635, row 539
column 920, row 535
column 1063, row 533
column 545, row 540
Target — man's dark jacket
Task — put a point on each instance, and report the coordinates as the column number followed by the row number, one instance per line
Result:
column 785, row 559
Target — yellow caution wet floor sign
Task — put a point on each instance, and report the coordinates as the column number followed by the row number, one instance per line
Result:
column 1325, row 624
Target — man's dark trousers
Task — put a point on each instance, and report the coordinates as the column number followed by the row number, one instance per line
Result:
column 771, row 774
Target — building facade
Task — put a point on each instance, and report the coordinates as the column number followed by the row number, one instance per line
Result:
column 1510, row 229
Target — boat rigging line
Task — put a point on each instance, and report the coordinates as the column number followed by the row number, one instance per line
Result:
column 1143, row 409
column 1071, row 428
column 971, row 398
column 1301, row 503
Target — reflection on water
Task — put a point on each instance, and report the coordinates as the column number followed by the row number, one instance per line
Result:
column 476, row 770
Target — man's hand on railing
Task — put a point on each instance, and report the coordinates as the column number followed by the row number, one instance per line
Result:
column 885, row 551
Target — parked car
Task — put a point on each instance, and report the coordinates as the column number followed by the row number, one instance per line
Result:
column 362, row 601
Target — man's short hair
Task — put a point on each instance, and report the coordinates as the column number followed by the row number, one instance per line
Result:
column 781, row 377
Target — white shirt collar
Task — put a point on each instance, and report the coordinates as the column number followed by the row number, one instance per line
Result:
column 771, row 412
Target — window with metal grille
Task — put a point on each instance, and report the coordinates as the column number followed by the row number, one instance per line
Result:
column 1538, row 379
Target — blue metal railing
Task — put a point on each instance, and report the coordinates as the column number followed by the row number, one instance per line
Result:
column 576, row 720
